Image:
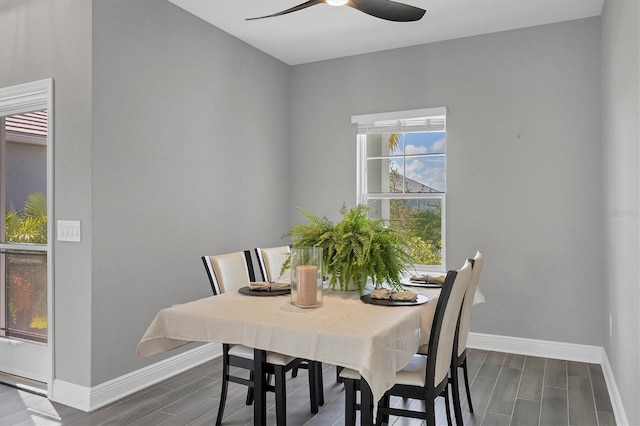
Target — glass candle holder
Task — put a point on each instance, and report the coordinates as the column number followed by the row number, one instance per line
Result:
column 306, row 277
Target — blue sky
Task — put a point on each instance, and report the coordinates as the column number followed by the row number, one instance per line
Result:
column 428, row 170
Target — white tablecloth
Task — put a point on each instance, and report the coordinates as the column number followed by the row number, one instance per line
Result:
column 377, row 341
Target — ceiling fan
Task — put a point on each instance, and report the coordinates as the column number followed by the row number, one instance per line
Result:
column 383, row 9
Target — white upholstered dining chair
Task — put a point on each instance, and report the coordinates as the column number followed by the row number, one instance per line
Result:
column 460, row 354
column 228, row 272
column 425, row 377
column 270, row 261
column 459, row 358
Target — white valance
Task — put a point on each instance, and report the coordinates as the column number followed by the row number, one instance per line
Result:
column 417, row 120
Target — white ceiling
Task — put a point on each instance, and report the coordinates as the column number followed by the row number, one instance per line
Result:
column 325, row 32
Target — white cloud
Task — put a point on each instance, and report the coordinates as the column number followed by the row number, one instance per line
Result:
column 438, row 146
column 413, row 149
column 432, row 176
column 414, row 168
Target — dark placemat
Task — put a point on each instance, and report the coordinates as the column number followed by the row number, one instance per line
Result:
column 384, row 302
column 263, row 293
column 421, row 284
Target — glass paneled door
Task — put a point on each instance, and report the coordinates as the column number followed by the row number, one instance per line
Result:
column 24, row 233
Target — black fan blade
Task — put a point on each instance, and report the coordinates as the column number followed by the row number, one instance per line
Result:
column 389, row 10
column 293, row 9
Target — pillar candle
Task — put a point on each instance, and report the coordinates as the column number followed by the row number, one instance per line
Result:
column 307, row 285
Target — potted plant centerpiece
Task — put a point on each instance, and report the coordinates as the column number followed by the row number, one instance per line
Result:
column 355, row 249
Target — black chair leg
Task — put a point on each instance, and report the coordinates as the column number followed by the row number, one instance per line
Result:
column 349, row 402
column 313, row 386
column 455, row 390
column 223, row 392
column 447, row 406
column 281, row 396
column 319, row 383
column 430, row 410
column 366, row 403
column 466, row 384
column 384, row 416
column 338, row 370
column 249, row 400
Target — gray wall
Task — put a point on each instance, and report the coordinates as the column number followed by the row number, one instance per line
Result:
column 621, row 133
column 170, row 143
column 175, row 140
column 523, row 162
column 44, row 39
column 190, row 157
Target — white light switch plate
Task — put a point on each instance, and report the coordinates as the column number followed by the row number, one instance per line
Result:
column 69, row 230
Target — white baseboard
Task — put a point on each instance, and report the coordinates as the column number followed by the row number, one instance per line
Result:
column 541, row 348
column 616, row 400
column 89, row 399
column 556, row 350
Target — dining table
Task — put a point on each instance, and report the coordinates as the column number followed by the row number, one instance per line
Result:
column 347, row 330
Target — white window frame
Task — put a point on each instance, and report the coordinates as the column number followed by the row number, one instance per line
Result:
column 426, row 119
column 34, row 359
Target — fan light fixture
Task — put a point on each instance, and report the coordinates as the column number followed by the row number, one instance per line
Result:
column 384, row 9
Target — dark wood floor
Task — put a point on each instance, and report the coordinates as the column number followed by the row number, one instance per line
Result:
column 506, row 390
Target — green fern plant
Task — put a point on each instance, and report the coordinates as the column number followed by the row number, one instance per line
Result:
column 355, row 249
column 28, row 225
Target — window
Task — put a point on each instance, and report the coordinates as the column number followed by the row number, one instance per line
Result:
column 23, row 224
column 26, row 201
column 401, row 176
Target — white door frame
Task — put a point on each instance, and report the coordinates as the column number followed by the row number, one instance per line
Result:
column 22, row 98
